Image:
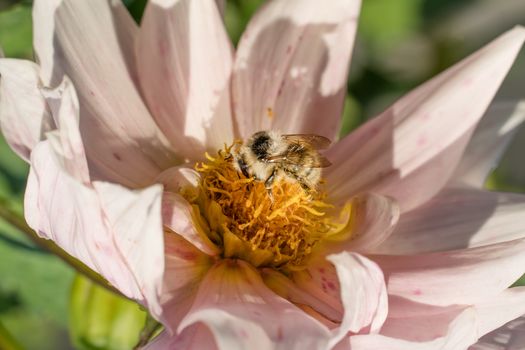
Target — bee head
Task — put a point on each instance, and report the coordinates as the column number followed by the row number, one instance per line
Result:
column 260, row 144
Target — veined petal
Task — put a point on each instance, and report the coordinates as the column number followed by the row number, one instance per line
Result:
column 66, row 140
column 418, row 322
column 410, row 151
column 136, row 223
column 457, row 218
column 373, row 219
column 459, row 334
column 114, row 231
column 509, row 337
column 185, row 266
column 495, row 312
column 242, row 312
column 24, row 115
column 291, row 67
column 363, row 294
column 454, row 277
column 185, row 60
column 179, row 216
column 489, row 142
column 123, row 143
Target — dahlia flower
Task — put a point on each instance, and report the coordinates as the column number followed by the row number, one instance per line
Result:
column 128, row 131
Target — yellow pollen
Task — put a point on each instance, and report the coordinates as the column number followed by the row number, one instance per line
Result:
column 280, row 233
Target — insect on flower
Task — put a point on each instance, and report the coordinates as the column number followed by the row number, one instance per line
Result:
column 269, row 156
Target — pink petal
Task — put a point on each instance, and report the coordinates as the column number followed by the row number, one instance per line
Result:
column 457, row 218
column 185, row 266
column 417, row 322
column 195, row 337
column 179, row 216
column 459, row 334
column 176, row 178
column 326, row 307
column 24, row 116
column 497, row 311
column 363, row 293
column 454, row 277
column 114, row 231
column 185, row 60
column 243, row 313
column 410, row 151
column 123, row 143
column 291, row 67
column 66, row 140
column 373, row 220
column 509, row 337
column 490, row 139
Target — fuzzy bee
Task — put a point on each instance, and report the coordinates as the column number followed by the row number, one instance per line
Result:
column 268, row 156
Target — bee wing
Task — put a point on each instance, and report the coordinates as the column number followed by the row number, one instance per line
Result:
column 319, row 162
column 315, row 141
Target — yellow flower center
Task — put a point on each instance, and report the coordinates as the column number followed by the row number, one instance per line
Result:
column 279, row 231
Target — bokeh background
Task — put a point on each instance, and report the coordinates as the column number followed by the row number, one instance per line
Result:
column 45, row 305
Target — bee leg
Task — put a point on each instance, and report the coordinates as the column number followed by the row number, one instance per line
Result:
column 269, row 183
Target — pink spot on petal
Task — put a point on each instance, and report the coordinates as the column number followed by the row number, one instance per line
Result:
column 417, row 291
column 331, row 285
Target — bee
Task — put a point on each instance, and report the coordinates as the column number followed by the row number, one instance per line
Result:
column 268, row 156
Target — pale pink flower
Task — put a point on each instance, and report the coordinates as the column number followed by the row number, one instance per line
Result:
column 111, row 109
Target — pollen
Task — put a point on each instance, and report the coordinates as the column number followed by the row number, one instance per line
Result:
column 279, row 231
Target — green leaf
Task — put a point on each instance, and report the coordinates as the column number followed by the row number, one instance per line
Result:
column 16, row 31
column 100, row 319
column 237, row 16
column 136, row 8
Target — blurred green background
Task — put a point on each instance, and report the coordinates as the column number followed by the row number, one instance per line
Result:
column 401, row 43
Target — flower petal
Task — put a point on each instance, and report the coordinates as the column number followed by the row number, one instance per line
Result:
column 363, row 293
column 454, row 277
column 497, row 311
column 490, row 139
column 410, row 151
column 123, row 143
column 24, row 115
column 66, row 140
column 243, row 313
column 185, row 266
column 184, row 45
column 291, row 66
column 418, row 322
column 180, row 217
column 458, row 218
column 509, row 337
column 373, row 220
column 103, row 228
column 460, row 333
column 195, row 337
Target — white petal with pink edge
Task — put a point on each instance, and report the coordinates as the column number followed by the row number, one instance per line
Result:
column 240, row 310
column 185, row 60
column 291, row 67
column 410, row 151
column 24, row 115
column 114, row 231
column 464, row 276
column 457, row 218
column 123, row 143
